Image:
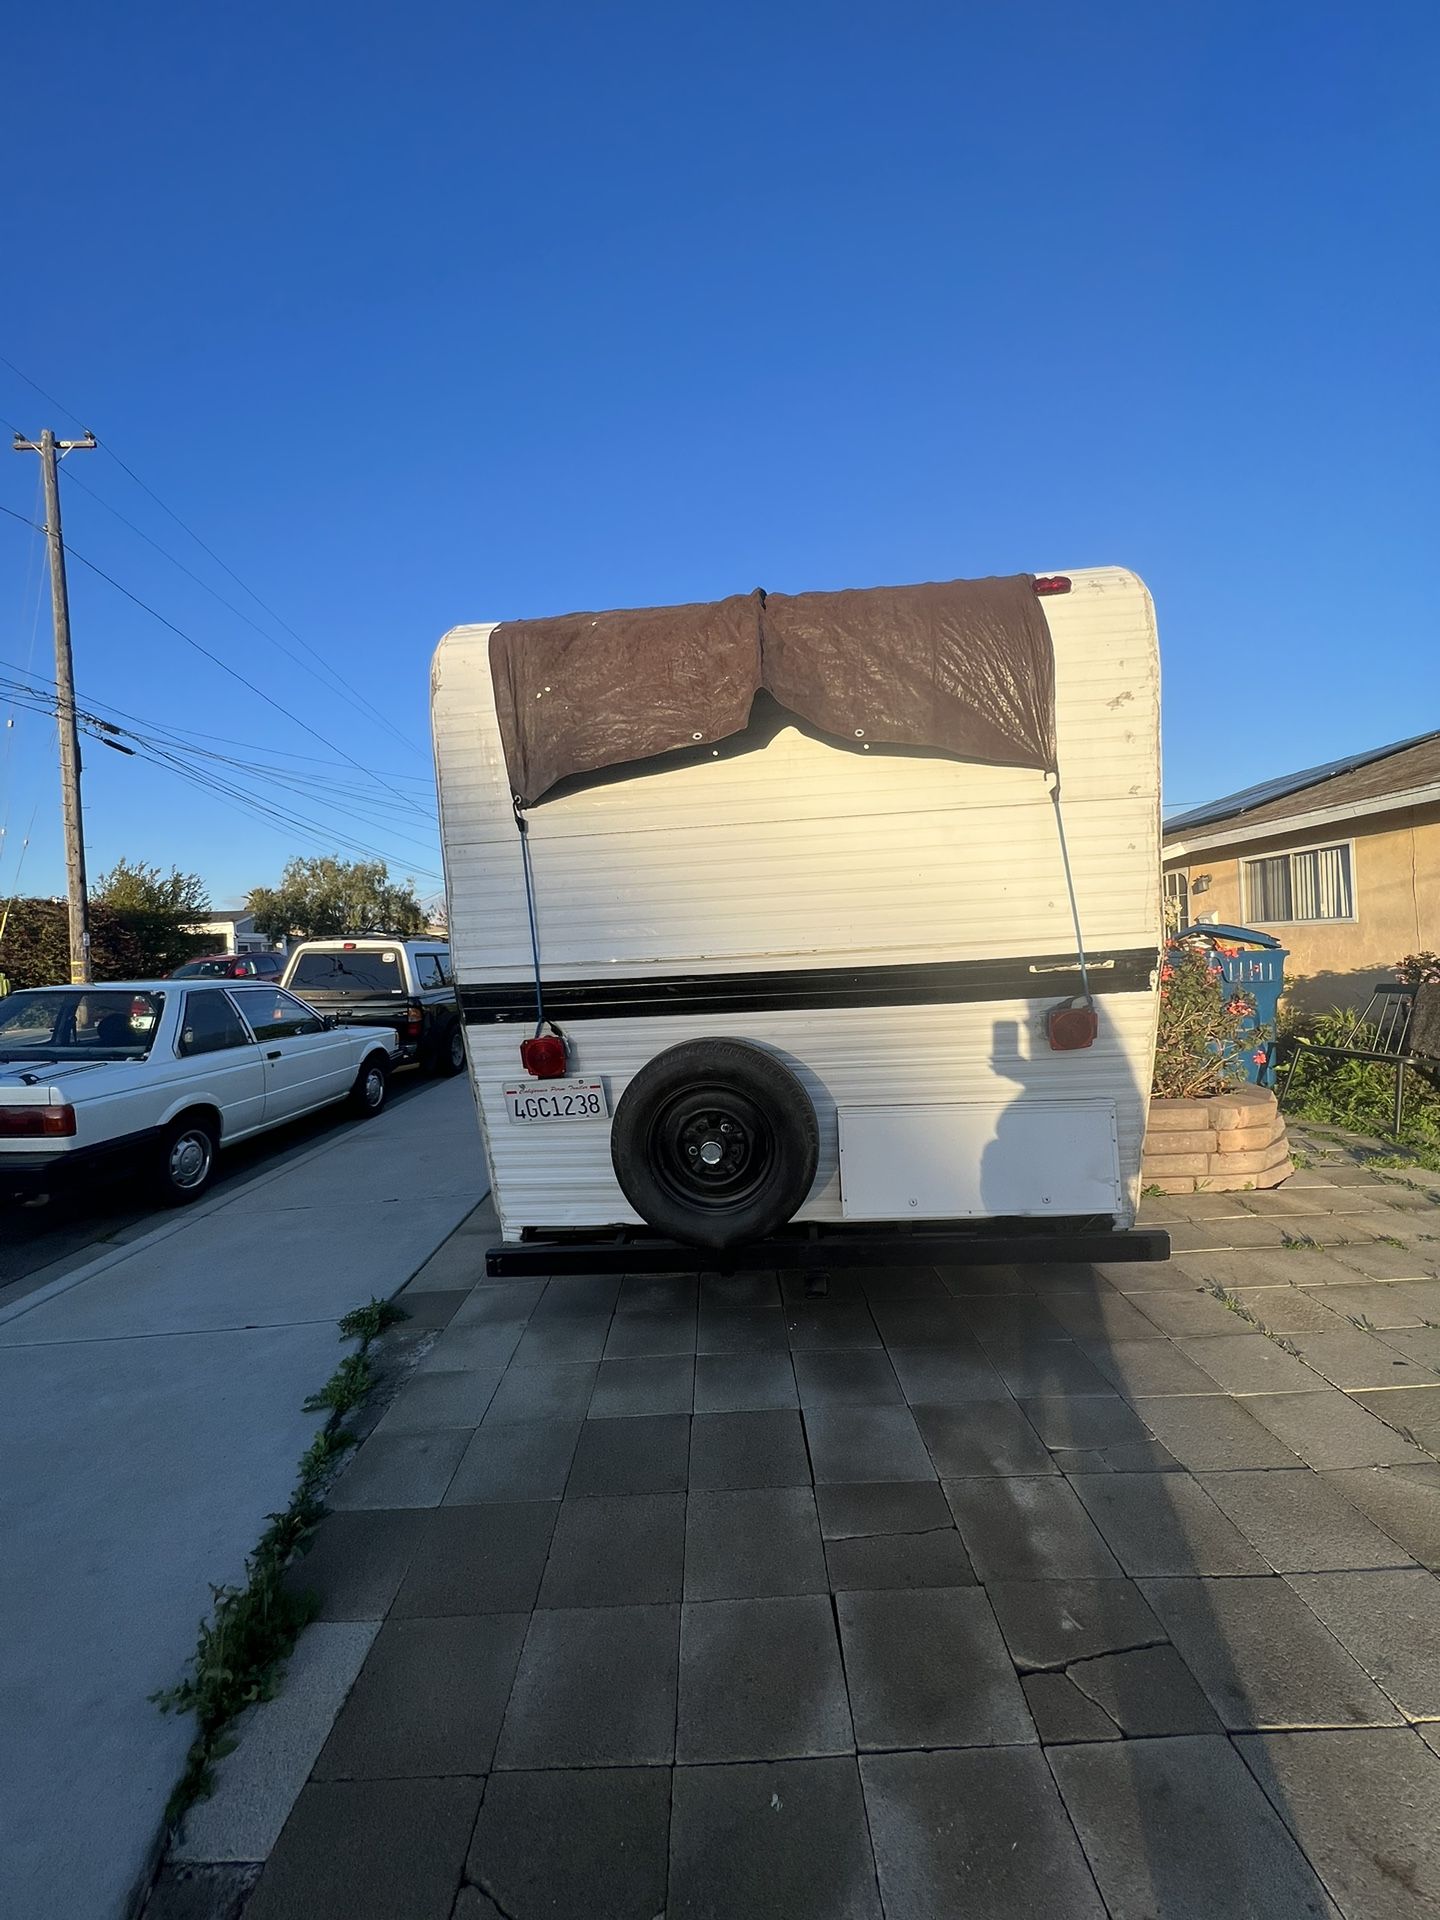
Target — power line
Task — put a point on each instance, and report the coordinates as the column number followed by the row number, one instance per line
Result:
column 341, row 688
column 41, row 699
column 225, row 789
column 32, row 699
column 19, row 866
column 322, row 778
column 32, row 583
column 204, row 546
column 186, row 734
column 20, row 374
column 225, row 667
column 264, row 605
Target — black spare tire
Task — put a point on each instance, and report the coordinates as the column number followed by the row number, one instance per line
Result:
column 715, row 1143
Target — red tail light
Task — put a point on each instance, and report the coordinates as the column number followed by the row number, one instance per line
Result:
column 414, row 1020
column 544, row 1056
column 1071, row 1026
column 36, row 1123
column 1052, row 583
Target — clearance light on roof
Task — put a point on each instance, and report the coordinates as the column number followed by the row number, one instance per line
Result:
column 1052, row 583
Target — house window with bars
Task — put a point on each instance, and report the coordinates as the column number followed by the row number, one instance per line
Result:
column 1317, row 884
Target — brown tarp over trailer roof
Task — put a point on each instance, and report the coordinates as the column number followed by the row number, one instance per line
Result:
column 962, row 666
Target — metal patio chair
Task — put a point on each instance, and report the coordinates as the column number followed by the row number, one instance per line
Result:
column 1398, row 1027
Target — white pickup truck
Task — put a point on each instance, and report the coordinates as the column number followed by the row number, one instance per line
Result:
column 160, row 1074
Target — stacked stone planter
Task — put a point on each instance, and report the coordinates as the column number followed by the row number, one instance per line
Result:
column 1220, row 1144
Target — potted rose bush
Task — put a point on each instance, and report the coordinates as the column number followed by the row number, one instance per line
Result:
column 1203, row 1045
column 1209, row 1129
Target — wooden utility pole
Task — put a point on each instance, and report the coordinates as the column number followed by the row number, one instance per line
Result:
column 49, row 448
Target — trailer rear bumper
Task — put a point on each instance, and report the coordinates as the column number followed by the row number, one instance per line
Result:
column 995, row 1244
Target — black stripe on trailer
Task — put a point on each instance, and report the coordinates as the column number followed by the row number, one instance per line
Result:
column 783, row 989
column 991, row 1243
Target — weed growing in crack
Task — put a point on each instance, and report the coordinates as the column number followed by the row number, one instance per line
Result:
column 1228, row 1300
column 252, row 1628
column 1242, row 1312
column 345, row 1389
column 367, row 1323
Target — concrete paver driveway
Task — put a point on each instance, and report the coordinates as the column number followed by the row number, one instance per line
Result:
column 991, row 1592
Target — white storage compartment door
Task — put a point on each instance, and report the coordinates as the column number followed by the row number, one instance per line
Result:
column 979, row 1160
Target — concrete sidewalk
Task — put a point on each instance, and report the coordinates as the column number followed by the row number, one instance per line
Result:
column 985, row 1592
column 150, row 1420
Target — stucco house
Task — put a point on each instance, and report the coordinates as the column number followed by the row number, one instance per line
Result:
column 1341, row 863
column 233, row 930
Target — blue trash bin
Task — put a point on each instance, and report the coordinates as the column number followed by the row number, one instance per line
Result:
column 1261, row 974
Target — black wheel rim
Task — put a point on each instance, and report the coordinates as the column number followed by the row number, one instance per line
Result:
column 711, row 1148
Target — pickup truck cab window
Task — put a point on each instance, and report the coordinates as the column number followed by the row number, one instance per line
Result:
column 274, row 1015
column 210, row 1024
column 352, row 970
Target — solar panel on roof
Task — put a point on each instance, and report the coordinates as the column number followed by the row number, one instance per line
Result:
column 1286, row 784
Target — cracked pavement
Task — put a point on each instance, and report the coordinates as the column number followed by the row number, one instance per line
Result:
column 991, row 1591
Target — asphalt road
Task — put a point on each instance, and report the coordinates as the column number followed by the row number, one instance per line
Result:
column 39, row 1244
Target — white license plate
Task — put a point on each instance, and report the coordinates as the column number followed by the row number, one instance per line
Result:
column 529, row 1101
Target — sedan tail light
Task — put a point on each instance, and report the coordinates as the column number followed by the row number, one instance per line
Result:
column 37, row 1123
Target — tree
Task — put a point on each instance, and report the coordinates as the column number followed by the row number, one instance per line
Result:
column 134, row 886
column 35, row 943
column 328, row 896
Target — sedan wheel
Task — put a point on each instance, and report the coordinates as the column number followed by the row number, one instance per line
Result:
column 367, row 1096
column 188, row 1162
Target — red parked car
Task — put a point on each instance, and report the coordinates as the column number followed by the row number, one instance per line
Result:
column 232, row 966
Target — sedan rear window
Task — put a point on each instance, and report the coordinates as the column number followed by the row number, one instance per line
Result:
column 376, row 971
column 77, row 1023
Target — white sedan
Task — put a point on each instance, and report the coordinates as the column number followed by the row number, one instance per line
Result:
column 163, row 1073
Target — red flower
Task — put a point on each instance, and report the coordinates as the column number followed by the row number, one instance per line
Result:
column 1167, row 973
column 1258, row 1058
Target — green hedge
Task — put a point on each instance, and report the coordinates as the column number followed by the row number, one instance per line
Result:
column 35, row 947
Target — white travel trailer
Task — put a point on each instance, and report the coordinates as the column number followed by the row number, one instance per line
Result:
column 764, row 933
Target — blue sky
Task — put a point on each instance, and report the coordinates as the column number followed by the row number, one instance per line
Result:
column 450, row 312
